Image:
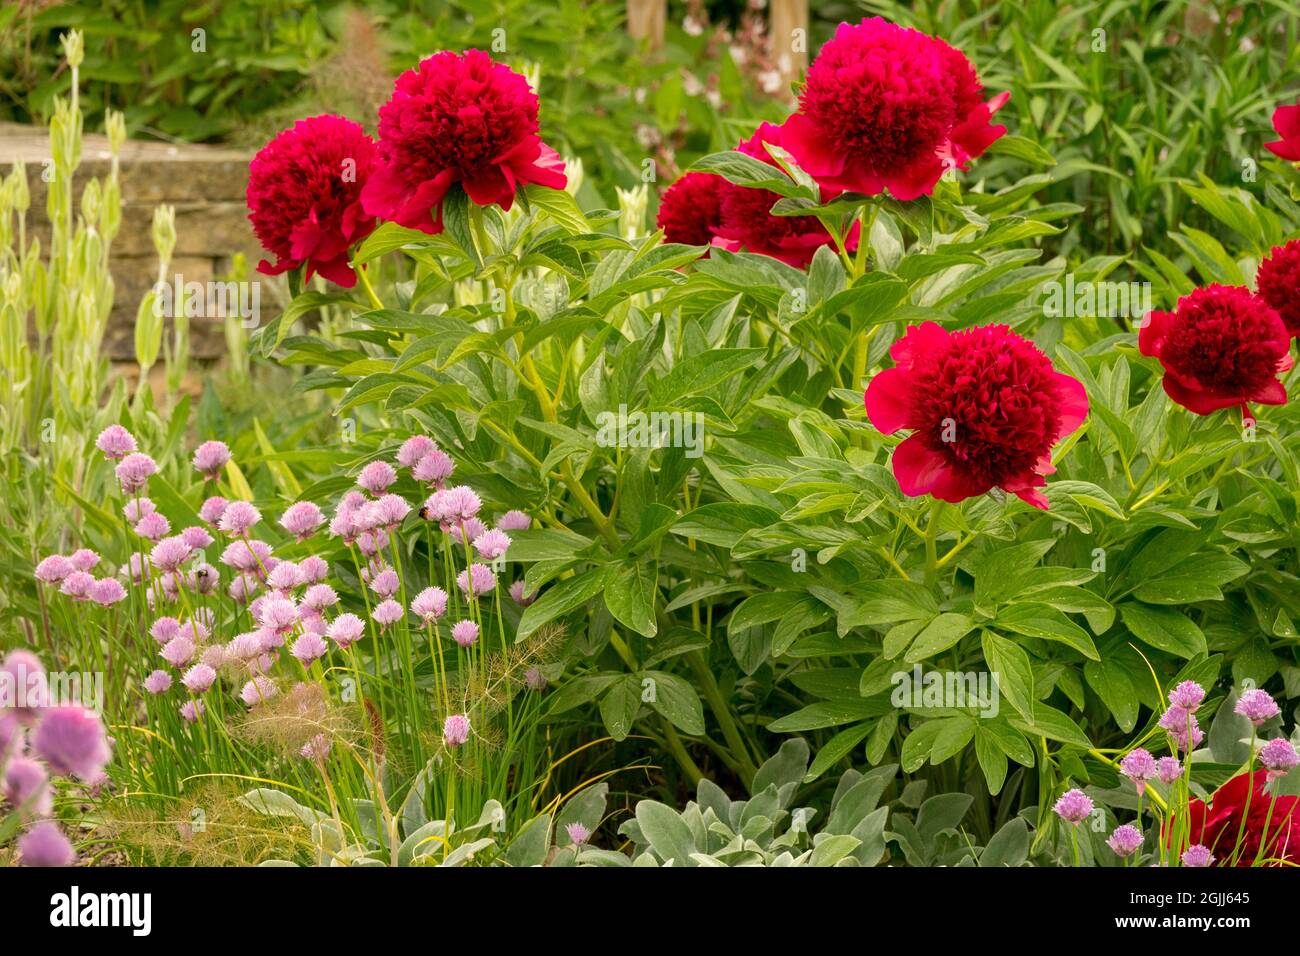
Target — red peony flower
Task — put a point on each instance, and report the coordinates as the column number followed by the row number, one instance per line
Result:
column 747, row 223
column 1286, row 120
column 1278, row 282
column 690, row 210
column 457, row 119
column 1216, row 826
column 1221, row 347
column 985, row 407
column 304, row 196
column 886, row 107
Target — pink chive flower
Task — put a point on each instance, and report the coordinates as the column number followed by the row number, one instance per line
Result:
column 1257, row 706
column 318, row 748
column 534, row 679
column 578, row 834
column 164, row 629
column 385, row 583
column 137, row 508
column 313, row 569
column 514, row 521
column 115, row 442
column 434, row 468
column 1187, row 696
column 26, row 787
column 179, row 651
column 455, row 730
column 12, row 737
column 133, row 472
column 464, row 531
column 199, row 678
column 1182, row 727
column 319, row 596
column 463, row 502
column 1197, row 856
column 246, row 555
column 204, row 578
column 72, row 742
column 77, row 585
column 107, row 591
column 1073, row 807
column 196, row 537
column 491, row 545
column 257, row 690
column 210, row 458
column 345, row 629
column 309, row 647
column 277, row 614
column 216, row 656
column 476, row 581
column 84, row 559
column 376, row 477
column 54, row 569
column 242, row 588
column 393, row 510
column 465, row 633
column 153, row 527
column 415, row 448
column 285, row 576
column 192, row 710
column 45, row 845
column 238, row 517
column 518, row 591
column 1278, row 757
column 212, row 510
column 301, row 519
column 430, row 604
column 387, row 612
column 158, row 682
column 170, row 553
column 1125, row 840
column 29, row 683
column 244, row 647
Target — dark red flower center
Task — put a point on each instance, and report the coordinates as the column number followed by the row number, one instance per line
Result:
column 988, row 403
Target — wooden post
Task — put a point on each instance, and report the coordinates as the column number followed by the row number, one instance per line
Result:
column 646, row 20
column 788, row 37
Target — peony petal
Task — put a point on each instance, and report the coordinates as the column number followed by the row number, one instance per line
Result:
column 337, row 271
column 1274, row 393
column 919, row 340
column 887, row 398
column 1074, row 404
column 1152, row 333
column 488, row 187
column 1286, row 149
column 1196, row 400
column 1286, row 120
column 811, row 149
column 920, row 470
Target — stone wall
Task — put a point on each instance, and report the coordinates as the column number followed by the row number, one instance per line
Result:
column 204, row 183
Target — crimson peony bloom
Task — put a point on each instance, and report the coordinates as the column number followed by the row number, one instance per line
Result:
column 985, row 407
column 747, row 223
column 1286, row 120
column 1278, row 282
column 1216, row 825
column 304, row 197
column 690, row 209
column 1222, row 347
column 887, row 107
column 457, row 119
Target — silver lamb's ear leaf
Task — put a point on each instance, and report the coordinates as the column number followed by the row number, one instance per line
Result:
column 787, row 765
column 529, row 846
column 668, row 834
column 425, row 840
